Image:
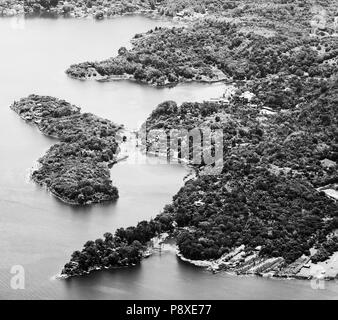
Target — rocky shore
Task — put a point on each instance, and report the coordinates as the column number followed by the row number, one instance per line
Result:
column 76, row 170
column 240, row 262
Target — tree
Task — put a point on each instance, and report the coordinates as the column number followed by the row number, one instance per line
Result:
column 108, row 237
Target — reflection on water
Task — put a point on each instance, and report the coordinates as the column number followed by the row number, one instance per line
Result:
column 39, row 232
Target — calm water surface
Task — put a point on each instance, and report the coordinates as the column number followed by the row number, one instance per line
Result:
column 39, row 232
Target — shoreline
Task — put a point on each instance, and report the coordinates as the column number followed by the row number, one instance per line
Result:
column 131, row 78
column 148, row 251
column 215, row 266
column 58, row 13
column 206, row 264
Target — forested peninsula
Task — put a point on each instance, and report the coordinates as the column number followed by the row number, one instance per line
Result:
column 273, row 208
column 76, row 170
column 218, row 48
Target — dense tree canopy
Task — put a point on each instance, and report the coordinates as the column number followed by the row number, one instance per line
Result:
column 75, row 170
column 280, row 145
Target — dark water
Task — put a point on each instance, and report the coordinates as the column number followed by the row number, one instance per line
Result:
column 37, row 231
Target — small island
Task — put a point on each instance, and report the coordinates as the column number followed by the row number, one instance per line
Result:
column 76, row 170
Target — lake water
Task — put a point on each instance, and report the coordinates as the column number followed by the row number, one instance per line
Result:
column 39, row 232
